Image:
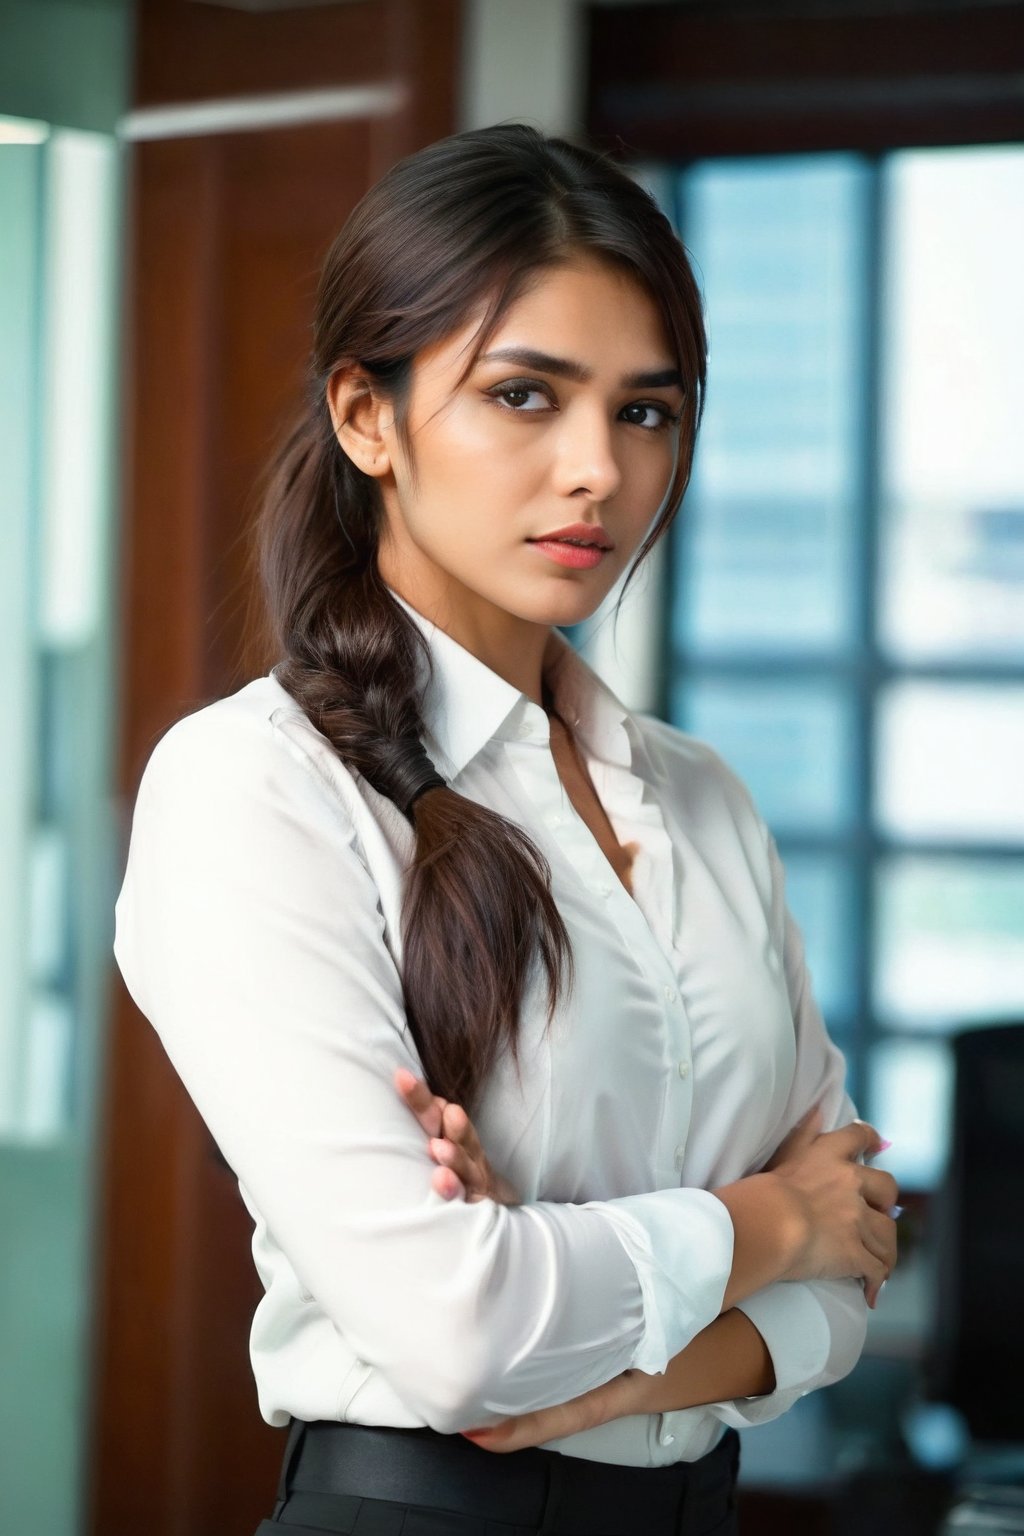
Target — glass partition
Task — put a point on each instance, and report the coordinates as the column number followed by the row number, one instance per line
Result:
column 59, row 241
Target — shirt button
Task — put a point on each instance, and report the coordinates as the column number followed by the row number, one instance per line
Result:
column 680, row 1155
column 670, row 995
column 554, row 818
column 601, row 889
column 668, row 1439
column 524, row 729
column 684, row 1069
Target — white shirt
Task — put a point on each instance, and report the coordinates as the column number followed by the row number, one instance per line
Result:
column 258, row 930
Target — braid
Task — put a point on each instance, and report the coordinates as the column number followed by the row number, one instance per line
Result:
column 354, row 674
column 351, row 660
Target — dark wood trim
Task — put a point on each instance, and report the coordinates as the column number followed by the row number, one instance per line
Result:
column 680, row 83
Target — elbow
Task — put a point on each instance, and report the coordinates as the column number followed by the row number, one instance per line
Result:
column 445, row 1375
column 447, row 1343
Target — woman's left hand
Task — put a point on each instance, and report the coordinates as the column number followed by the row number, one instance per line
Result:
column 615, row 1399
column 464, row 1172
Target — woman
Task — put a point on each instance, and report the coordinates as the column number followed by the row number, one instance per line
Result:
column 430, row 858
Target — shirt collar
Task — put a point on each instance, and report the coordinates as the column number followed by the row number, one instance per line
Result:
column 465, row 704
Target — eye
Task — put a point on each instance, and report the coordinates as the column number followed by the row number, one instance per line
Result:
column 512, row 396
column 665, row 417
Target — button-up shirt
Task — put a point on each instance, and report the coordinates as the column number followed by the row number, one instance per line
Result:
column 259, row 930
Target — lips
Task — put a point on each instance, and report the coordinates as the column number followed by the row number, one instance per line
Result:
column 585, row 535
column 578, row 547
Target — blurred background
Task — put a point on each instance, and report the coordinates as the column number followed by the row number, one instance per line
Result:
column 839, row 610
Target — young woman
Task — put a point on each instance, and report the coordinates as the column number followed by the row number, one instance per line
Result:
column 428, row 888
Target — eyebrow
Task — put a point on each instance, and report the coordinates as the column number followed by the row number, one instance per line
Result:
column 543, row 362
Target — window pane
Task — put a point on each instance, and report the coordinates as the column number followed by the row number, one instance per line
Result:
column 779, row 246
column 61, row 231
column 951, row 762
column 820, row 897
column 910, row 1096
column 950, row 941
column 952, row 470
column 58, row 339
column 791, row 744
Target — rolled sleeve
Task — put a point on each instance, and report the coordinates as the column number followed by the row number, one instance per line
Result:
column 681, row 1244
column 796, row 1332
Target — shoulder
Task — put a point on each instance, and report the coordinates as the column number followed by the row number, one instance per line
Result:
column 253, row 746
column 243, row 846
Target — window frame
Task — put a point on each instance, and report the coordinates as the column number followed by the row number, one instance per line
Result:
column 860, row 668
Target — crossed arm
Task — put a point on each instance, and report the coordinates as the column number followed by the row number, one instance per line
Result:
column 727, row 1359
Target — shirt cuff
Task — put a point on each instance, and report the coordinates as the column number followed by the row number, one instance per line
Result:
column 681, row 1244
column 795, row 1328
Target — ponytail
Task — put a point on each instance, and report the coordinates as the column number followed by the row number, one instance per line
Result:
column 477, row 906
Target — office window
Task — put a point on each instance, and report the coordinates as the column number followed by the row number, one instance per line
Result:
column 59, row 192
column 847, row 583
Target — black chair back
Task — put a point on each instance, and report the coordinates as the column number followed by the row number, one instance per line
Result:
column 976, row 1359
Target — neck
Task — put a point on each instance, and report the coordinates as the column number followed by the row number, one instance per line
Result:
column 516, row 649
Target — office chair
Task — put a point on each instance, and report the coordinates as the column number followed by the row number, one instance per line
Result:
column 975, row 1359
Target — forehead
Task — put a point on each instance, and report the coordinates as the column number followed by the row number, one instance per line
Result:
column 584, row 309
column 588, row 299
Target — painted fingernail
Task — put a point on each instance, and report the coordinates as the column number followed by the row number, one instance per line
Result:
column 883, row 1146
column 896, row 1211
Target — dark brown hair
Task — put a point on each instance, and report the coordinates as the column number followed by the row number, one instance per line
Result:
column 460, row 226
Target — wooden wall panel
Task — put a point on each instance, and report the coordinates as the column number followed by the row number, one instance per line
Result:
column 188, row 50
column 227, row 236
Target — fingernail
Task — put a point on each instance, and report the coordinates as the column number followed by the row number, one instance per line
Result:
column 895, row 1211
column 883, row 1146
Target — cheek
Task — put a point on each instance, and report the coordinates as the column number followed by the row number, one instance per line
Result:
column 647, row 473
column 475, row 480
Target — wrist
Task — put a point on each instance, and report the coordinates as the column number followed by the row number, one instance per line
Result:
column 770, row 1234
column 727, row 1359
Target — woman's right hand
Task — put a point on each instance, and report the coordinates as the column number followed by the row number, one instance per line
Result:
column 845, row 1205
column 815, row 1212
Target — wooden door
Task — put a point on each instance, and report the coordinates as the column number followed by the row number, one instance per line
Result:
column 227, row 235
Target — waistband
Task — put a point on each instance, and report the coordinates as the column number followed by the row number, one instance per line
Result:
column 530, row 1487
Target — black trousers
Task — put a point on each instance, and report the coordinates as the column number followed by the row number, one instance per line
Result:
column 369, row 1481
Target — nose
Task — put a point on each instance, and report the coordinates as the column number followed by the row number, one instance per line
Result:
column 586, row 462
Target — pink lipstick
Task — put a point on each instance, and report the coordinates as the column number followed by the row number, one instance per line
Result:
column 581, row 545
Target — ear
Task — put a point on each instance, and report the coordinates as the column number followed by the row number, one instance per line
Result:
column 362, row 420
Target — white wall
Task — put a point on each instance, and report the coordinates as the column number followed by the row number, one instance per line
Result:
column 524, row 61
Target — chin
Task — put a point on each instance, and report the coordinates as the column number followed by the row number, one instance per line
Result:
column 570, row 603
